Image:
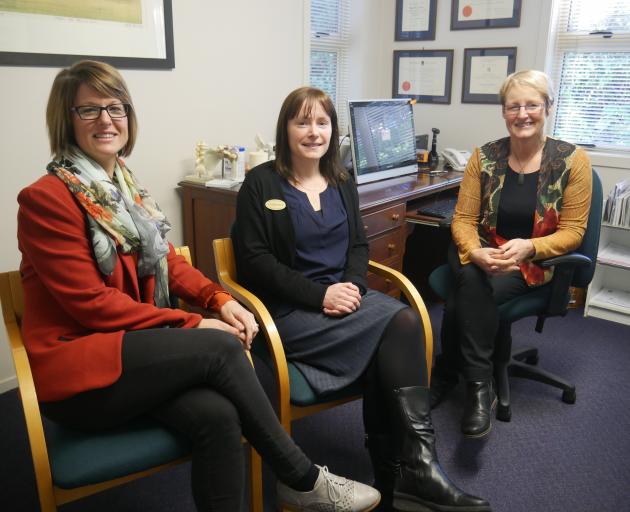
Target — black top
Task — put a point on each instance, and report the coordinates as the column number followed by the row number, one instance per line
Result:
column 517, row 205
column 264, row 242
column 321, row 237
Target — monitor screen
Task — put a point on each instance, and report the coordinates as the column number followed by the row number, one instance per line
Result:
column 382, row 139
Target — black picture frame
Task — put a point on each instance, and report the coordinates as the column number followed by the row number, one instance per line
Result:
column 456, row 24
column 415, row 35
column 469, row 55
column 441, row 99
column 12, row 58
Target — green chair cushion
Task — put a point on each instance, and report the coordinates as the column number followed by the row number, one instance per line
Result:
column 79, row 458
column 302, row 393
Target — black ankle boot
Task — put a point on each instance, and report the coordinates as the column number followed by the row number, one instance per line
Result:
column 383, row 457
column 480, row 402
column 421, row 483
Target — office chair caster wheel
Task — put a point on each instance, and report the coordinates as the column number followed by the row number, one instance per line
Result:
column 568, row 396
column 532, row 360
column 504, row 412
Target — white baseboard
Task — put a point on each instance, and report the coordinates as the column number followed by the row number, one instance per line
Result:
column 8, row 384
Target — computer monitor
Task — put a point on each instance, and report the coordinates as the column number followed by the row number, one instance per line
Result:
column 382, row 139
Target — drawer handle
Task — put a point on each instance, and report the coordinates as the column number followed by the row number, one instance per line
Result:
column 365, row 227
column 391, row 247
column 388, row 281
column 395, row 216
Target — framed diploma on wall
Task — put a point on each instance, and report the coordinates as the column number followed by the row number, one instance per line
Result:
column 423, row 75
column 467, row 14
column 415, row 20
column 484, row 72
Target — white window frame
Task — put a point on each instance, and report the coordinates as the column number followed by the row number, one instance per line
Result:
column 558, row 44
column 341, row 45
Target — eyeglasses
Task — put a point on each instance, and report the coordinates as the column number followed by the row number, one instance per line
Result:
column 90, row 112
column 530, row 108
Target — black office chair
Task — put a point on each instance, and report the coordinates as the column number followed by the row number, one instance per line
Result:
column 574, row 269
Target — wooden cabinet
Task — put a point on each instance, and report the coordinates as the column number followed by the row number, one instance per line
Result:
column 386, row 234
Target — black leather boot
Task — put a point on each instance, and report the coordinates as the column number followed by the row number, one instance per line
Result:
column 383, row 456
column 480, row 402
column 421, row 483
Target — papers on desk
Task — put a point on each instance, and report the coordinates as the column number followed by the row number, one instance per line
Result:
column 222, row 183
column 616, row 300
column 616, row 255
column 617, row 207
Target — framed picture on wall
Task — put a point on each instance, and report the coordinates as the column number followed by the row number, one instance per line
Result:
column 468, row 14
column 415, row 20
column 484, row 72
column 423, row 75
column 130, row 34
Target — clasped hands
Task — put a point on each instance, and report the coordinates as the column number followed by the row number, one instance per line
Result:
column 236, row 320
column 341, row 299
column 503, row 259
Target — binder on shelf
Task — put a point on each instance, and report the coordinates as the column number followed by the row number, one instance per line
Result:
column 617, row 207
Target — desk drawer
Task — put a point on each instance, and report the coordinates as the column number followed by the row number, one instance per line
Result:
column 383, row 220
column 387, row 247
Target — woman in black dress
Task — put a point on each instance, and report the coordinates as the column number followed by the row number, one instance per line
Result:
column 301, row 246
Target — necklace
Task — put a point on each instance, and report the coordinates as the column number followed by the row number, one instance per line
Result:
column 300, row 185
column 521, row 176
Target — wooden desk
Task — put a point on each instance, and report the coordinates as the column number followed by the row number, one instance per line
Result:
column 210, row 212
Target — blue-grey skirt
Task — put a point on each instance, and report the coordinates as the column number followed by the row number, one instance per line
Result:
column 333, row 352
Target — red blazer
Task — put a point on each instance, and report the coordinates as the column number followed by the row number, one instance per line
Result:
column 74, row 317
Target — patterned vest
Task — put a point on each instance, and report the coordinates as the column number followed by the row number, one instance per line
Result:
column 555, row 167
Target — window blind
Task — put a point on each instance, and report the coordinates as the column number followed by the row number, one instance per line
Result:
column 590, row 67
column 330, row 44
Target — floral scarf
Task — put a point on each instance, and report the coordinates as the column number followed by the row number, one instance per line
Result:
column 555, row 167
column 120, row 214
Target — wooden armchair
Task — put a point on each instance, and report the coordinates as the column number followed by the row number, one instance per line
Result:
column 70, row 465
column 296, row 399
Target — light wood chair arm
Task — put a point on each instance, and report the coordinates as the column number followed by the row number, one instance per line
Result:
column 226, row 270
column 11, row 293
column 415, row 301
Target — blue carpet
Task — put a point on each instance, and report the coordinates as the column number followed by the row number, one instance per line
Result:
column 552, row 457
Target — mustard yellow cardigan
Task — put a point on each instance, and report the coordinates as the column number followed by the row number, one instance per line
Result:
column 473, row 204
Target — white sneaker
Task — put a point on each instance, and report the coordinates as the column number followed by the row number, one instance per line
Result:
column 331, row 493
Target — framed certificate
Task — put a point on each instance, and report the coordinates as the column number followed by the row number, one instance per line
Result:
column 484, row 72
column 423, row 75
column 415, row 20
column 467, row 14
column 129, row 34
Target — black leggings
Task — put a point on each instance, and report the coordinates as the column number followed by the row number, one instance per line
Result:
column 471, row 316
column 400, row 361
column 200, row 383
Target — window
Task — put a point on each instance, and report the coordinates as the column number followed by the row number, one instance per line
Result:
column 330, row 42
column 591, row 70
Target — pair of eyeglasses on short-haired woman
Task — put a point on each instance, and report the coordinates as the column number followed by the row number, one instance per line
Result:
column 90, row 112
column 530, row 108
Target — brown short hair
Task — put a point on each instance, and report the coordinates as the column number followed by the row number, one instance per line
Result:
column 532, row 78
column 101, row 77
column 304, row 98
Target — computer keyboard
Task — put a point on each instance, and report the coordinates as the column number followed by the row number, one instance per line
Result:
column 442, row 208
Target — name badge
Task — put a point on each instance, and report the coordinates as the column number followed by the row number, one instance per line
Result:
column 275, row 204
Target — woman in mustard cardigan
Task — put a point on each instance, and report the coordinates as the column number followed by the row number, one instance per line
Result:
column 524, row 198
